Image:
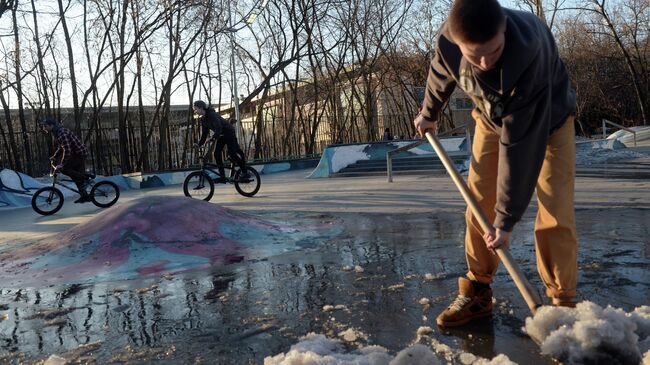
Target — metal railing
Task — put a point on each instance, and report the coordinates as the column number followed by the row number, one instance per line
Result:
column 389, row 154
column 605, row 122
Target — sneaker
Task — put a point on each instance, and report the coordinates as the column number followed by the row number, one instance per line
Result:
column 246, row 176
column 199, row 187
column 474, row 301
column 84, row 198
column 85, row 185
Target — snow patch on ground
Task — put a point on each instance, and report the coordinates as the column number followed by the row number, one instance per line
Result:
column 592, row 156
column 448, row 144
column 590, row 332
column 317, row 349
column 345, row 156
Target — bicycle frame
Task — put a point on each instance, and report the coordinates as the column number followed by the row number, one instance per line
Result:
column 55, row 175
column 50, row 198
column 207, row 166
column 246, row 181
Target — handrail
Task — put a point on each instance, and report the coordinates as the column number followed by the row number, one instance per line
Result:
column 605, row 122
column 389, row 154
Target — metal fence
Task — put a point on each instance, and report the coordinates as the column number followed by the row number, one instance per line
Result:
column 278, row 140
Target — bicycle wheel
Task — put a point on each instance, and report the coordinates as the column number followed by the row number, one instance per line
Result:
column 104, row 194
column 47, row 200
column 247, row 184
column 198, row 185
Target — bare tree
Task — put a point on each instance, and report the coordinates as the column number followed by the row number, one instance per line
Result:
column 71, row 65
column 627, row 36
column 39, row 61
column 19, row 93
column 178, row 55
column 15, row 162
column 6, row 5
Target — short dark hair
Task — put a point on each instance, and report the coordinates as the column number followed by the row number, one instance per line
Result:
column 201, row 104
column 475, row 21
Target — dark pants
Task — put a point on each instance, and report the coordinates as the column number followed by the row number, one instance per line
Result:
column 76, row 169
column 229, row 138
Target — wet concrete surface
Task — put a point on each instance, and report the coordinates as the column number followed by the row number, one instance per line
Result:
column 405, row 248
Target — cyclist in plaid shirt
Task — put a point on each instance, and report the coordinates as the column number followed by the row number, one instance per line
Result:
column 72, row 153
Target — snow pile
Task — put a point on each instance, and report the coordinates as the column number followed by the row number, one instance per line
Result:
column 317, row 349
column 591, row 333
column 348, row 155
column 603, row 155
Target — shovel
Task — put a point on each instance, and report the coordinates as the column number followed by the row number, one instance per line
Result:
column 530, row 296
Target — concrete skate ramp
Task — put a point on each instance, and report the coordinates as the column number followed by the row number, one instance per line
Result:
column 337, row 157
column 154, row 236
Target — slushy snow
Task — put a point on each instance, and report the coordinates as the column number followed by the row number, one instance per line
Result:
column 317, row 349
column 590, row 332
column 604, row 155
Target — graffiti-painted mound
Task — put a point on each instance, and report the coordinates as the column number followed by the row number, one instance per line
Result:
column 153, row 236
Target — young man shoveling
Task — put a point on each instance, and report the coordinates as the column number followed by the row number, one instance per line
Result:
column 508, row 63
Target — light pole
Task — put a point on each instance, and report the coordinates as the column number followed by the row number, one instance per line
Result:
column 251, row 19
column 234, row 76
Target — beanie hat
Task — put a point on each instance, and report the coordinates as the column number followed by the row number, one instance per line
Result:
column 201, row 104
column 49, row 121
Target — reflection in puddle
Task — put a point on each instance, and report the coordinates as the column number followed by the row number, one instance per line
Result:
column 253, row 309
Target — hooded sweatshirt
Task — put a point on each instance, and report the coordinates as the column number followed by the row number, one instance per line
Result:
column 524, row 98
column 214, row 122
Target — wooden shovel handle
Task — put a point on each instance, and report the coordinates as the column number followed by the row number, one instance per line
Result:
column 530, row 295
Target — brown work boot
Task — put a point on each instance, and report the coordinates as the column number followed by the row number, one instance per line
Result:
column 564, row 302
column 474, row 301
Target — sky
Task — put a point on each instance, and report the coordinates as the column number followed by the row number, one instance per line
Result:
column 48, row 17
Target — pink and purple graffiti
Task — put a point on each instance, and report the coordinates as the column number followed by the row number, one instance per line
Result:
column 153, row 236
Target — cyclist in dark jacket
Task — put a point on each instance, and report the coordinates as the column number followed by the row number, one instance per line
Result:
column 72, row 153
column 223, row 133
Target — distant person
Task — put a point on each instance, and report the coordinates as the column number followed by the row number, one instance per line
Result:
column 72, row 154
column 508, row 63
column 387, row 135
column 224, row 134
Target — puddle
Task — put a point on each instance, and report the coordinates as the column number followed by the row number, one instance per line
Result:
column 366, row 281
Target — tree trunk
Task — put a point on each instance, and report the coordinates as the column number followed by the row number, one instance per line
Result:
column 19, row 92
column 144, row 145
column 125, row 164
column 15, row 161
column 634, row 73
column 41, row 67
column 73, row 78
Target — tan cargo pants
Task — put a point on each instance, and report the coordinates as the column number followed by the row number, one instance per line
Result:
column 555, row 229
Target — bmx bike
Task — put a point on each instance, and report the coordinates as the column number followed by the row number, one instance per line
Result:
column 200, row 184
column 48, row 200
